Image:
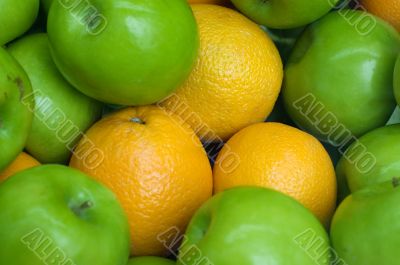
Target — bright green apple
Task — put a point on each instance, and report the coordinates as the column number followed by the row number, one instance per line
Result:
column 284, row 14
column 16, row 16
column 254, row 226
column 15, row 108
column 380, row 164
column 62, row 113
column 365, row 229
column 338, row 79
column 150, row 261
column 124, row 52
column 396, row 80
column 54, row 214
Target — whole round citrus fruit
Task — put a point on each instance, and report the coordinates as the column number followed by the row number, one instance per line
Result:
column 157, row 168
column 284, row 158
column 23, row 161
column 388, row 10
column 237, row 77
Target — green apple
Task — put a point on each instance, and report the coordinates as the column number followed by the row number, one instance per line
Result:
column 338, row 79
column 16, row 16
column 62, row 113
column 384, row 146
column 15, row 108
column 284, row 14
column 150, row 261
column 54, row 214
column 254, row 226
column 396, row 80
column 124, row 52
column 365, row 227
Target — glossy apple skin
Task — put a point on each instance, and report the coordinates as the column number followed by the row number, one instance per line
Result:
column 365, row 227
column 284, row 14
column 252, row 226
column 47, row 199
column 138, row 54
column 57, row 103
column 348, row 73
column 15, row 110
column 16, row 16
column 150, row 261
column 384, row 144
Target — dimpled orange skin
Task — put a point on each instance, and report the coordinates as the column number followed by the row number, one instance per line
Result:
column 388, row 10
column 23, row 161
column 236, row 79
column 158, row 170
column 284, row 158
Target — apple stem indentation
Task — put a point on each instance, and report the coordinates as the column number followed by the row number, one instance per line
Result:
column 81, row 208
column 85, row 205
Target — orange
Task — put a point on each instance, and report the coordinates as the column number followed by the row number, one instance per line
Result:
column 213, row 2
column 283, row 158
column 23, row 161
column 237, row 77
column 388, row 10
column 157, row 168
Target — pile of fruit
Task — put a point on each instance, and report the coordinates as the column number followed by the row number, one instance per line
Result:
column 199, row 132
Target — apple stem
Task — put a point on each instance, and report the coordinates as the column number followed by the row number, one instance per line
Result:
column 85, row 205
column 395, row 182
column 79, row 209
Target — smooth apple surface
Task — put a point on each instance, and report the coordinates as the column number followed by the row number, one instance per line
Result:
column 384, row 144
column 62, row 113
column 254, row 226
column 15, row 109
column 340, row 84
column 16, row 16
column 365, row 227
column 284, row 14
column 124, row 52
column 54, row 214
